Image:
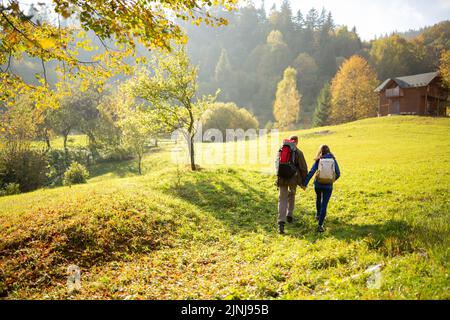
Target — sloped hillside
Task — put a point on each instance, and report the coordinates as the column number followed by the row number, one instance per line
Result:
column 174, row 234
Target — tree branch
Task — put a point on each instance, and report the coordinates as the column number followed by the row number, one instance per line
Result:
column 45, row 71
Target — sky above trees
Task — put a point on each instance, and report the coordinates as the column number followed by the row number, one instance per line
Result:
column 373, row 18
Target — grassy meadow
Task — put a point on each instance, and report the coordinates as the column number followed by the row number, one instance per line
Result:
column 176, row 234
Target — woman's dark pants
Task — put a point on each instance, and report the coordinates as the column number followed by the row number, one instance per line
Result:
column 323, row 196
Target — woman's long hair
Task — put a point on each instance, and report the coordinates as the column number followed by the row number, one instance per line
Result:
column 323, row 150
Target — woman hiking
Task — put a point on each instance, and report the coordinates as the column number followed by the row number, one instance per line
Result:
column 327, row 173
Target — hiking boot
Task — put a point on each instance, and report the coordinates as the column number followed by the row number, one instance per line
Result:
column 281, row 228
column 320, row 229
column 289, row 219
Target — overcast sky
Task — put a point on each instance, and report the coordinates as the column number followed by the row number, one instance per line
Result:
column 375, row 17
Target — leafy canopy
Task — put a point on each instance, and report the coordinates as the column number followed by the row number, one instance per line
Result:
column 352, row 91
column 286, row 107
column 150, row 22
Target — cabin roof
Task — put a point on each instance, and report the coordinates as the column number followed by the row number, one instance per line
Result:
column 414, row 81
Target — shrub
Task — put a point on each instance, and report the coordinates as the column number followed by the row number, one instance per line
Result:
column 75, row 174
column 19, row 164
column 58, row 164
column 114, row 153
column 82, row 155
column 10, row 189
column 224, row 116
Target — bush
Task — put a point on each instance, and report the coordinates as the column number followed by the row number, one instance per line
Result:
column 224, row 116
column 75, row 174
column 10, row 189
column 82, row 155
column 19, row 164
column 59, row 164
column 114, row 153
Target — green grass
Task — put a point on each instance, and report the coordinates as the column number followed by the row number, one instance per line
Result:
column 175, row 234
column 74, row 140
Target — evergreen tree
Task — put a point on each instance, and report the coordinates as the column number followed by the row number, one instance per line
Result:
column 299, row 21
column 286, row 107
column 308, row 44
column 273, row 8
column 346, row 43
column 312, row 19
column 322, row 112
column 324, row 47
column 262, row 15
column 286, row 24
column 273, row 57
column 330, row 22
column 224, row 76
column 307, row 80
column 322, row 19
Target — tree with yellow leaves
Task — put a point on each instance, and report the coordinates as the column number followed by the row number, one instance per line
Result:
column 444, row 70
column 286, row 107
column 444, row 67
column 149, row 22
column 352, row 91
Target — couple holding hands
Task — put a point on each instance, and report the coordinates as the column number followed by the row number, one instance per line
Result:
column 292, row 171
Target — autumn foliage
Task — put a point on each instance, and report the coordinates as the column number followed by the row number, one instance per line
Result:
column 352, row 91
column 444, row 67
column 286, row 108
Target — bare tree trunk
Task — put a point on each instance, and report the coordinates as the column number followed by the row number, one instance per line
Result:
column 139, row 164
column 191, row 153
column 191, row 139
column 47, row 141
column 92, row 146
column 66, row 151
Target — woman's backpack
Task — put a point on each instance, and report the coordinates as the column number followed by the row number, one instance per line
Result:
column 326, row 172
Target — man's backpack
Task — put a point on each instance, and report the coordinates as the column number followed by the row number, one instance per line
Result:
column 286, row 159
column 326, row 173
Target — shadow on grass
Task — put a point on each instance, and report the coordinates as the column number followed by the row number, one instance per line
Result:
column 119, row 169
column 239, row 204
column 242, row 207
column 245, row 207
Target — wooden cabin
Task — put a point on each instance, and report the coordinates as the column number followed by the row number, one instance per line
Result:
column 420, row 94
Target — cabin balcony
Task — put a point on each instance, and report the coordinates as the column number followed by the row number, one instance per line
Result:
column 394, row 92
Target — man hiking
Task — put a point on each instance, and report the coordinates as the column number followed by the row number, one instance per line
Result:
column 291, row 171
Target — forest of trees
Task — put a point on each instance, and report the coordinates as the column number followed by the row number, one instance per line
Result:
column 263, row 69
column 247, row 58
column 70, row 67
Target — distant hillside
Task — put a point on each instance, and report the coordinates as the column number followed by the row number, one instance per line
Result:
column 246, row 59
column 411, row 33
column 414, row 33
